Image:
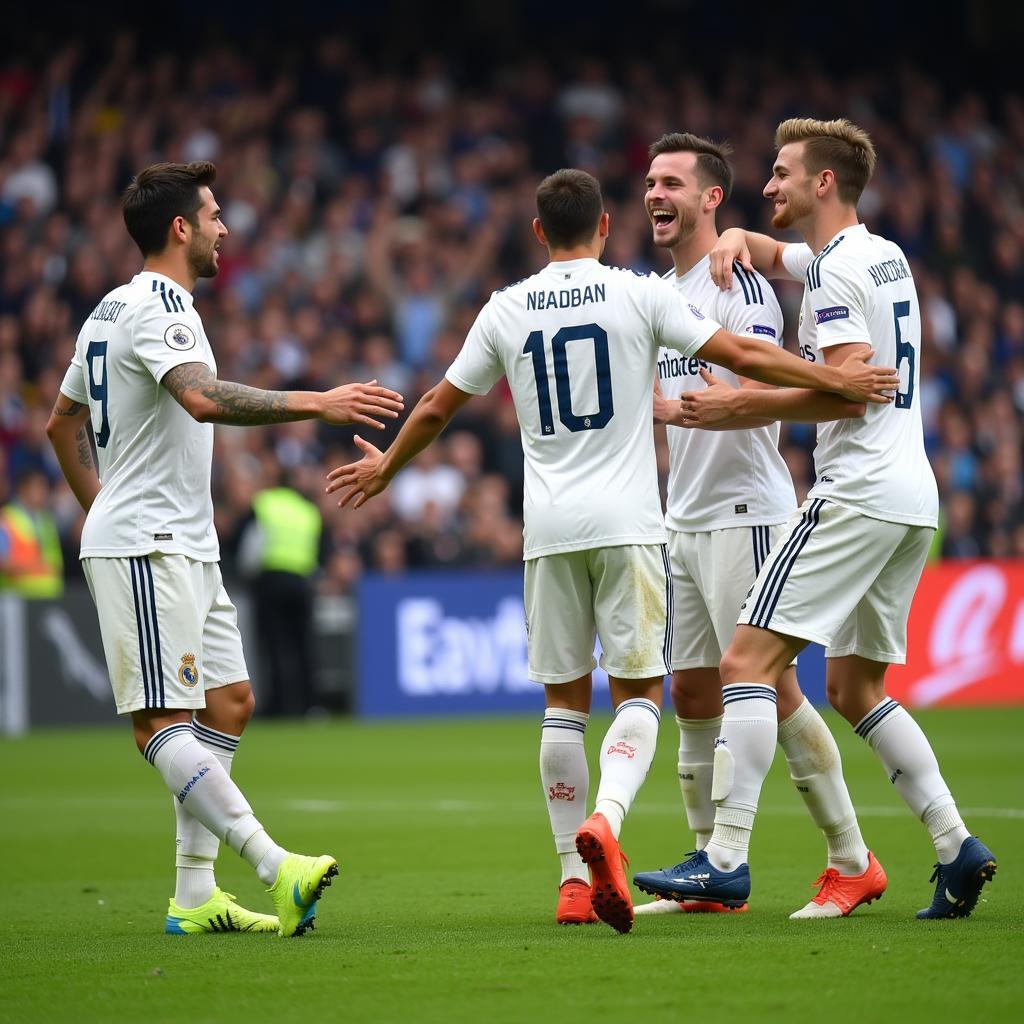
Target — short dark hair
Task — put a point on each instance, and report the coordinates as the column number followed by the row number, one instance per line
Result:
column 713, row 167
column 160, row 193
column 569, row 206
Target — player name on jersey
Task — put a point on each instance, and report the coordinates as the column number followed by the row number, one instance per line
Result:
column 108, row 310
column 889, row 271
column 565, row 298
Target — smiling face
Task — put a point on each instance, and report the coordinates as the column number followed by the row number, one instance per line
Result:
column 674, row 198
column 790, row 189
column 203, row 252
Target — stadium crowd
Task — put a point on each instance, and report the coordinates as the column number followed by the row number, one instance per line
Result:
column 373, row 211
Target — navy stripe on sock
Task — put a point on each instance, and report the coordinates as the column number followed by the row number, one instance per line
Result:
column 213, row 738
column 779, row 573
column 563, row 723
column 873, row 719
column 742, row 691
column 639, row 702
column 157, row 741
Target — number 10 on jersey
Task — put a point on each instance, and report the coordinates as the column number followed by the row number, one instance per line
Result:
column 605, row 406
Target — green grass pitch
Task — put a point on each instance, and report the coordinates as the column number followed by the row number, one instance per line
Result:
column 444, row 909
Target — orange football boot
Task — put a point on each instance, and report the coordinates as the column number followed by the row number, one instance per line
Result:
column 609, row 891
column 840, row 894
column 574, row 906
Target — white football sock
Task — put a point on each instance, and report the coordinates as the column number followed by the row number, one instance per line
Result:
column 198, row 782
column 696, row 769
column 910, row 763
column 195, row 845
column 743, row 756
column 626, row 755
column 566, row 780
column 817, row 772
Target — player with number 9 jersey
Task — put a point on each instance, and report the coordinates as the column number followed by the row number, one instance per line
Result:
column 153, row 457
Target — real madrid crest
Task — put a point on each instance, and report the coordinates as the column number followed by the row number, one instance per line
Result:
column 188, row 674
column 180, row 337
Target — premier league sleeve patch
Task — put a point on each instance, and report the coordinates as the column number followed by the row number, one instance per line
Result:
column 180, row 337
column 823, row 316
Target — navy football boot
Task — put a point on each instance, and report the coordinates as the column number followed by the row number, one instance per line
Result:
column 698, row 879
column 958, row 885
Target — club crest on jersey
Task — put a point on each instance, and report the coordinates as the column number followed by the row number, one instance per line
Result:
column 188, row 674
column 180, row 337
column 695, row 311
column 822, row 316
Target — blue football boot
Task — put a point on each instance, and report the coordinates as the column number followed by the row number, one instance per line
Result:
column 958, row 885
column 698, row 879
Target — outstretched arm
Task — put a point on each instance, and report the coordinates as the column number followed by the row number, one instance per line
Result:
column 375, row 470
column 209, row 400
column 854, row 378
column 721, row 407
column 68, row 430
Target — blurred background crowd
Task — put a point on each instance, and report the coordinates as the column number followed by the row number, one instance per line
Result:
column 373, row 207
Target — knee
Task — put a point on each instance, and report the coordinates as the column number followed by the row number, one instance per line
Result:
column 734, row 667
column 839, row 700
column 244, row 707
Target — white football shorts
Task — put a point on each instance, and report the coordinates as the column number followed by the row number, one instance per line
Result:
column 843, row 580
column 170, row 631
column 712, row 573
column 621, row 595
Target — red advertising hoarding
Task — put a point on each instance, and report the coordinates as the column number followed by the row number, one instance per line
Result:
column 966, row 637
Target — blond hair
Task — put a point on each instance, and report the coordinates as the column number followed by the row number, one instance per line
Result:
column 839, row 146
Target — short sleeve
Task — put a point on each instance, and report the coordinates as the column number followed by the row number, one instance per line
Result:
column 796, row 258
column 477, row 368
column 164, row 340
column 677, row 322
column 73, row 385
column 750, row 307
column 839, row 306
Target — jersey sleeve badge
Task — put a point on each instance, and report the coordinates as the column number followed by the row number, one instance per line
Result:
column 180, row 337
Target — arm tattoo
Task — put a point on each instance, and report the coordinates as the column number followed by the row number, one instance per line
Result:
column 236, row 404
column 84, row 449
column 71, row 409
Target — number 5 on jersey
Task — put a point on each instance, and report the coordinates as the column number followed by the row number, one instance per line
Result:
column 602, row 365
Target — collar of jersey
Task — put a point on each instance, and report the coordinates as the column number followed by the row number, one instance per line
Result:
column 564, row 265
column 855, row 228
column 178, row 289
column 700, row 267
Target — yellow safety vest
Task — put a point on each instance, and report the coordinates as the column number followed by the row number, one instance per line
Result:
column 291, row 528
column 34, row 540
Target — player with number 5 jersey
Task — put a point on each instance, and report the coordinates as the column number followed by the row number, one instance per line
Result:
column 578, row 343
column 845, row 570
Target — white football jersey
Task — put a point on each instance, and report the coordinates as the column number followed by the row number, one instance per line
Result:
column 154, row 458
column 578, row 343
column 859, row 288
column 724, row 478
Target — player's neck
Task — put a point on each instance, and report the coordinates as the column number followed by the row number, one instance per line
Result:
column 690, row 251
column 827, row 224
column 170, row 267
column 577, row 252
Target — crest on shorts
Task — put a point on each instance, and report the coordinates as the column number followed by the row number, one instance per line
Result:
column 188, row 674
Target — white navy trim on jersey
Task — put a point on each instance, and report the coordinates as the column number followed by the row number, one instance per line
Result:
column 150, row 661
column 156, row 741
column 171, row 299
column 747, row 691
column 873, row 719
column 814, row 270
column 555, row 722
column 749, row 283
column 640, row 702
column 779, row 572
column 213, row 738
column 670, row 612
